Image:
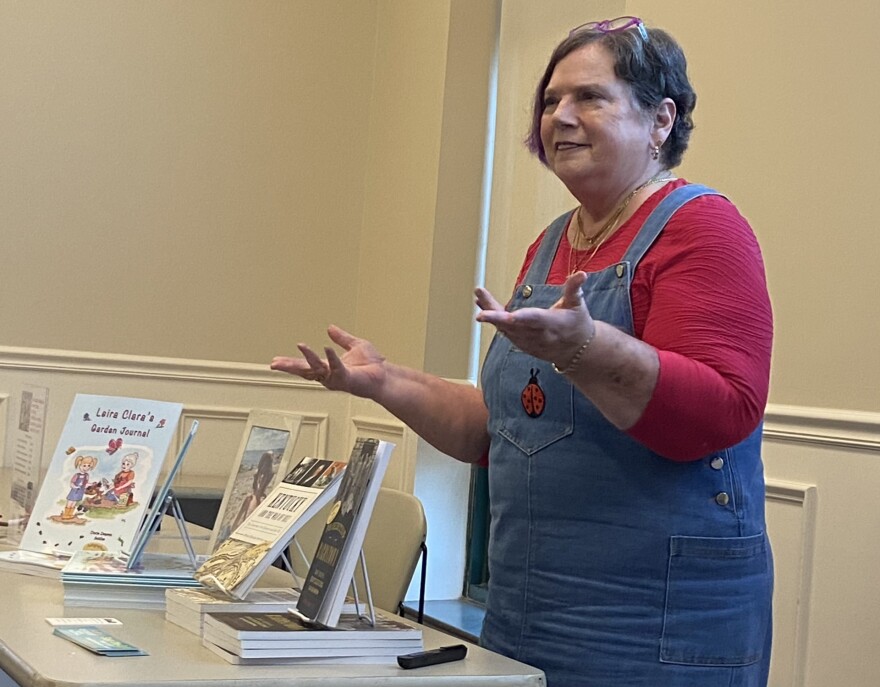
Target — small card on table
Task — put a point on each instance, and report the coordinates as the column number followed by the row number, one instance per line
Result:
column 82, row 622
column 98, row 641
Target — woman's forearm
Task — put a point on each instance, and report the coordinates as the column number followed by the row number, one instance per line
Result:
column 618, row 373
column 451, row 417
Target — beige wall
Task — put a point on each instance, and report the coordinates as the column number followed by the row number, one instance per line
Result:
column 218, row 179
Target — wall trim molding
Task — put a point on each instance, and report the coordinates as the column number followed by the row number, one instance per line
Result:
column 787, row 423
column 828, row 427
column 178, row 369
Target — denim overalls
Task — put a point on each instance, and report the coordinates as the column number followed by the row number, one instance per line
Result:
column 610, row 565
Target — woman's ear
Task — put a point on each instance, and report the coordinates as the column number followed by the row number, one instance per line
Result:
column 664, row 118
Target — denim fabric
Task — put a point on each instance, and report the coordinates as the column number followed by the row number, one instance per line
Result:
column 610, row 565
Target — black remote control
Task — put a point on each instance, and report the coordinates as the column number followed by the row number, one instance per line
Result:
column 444, row 654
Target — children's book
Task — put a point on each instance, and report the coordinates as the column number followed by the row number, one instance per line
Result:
column 102, row 475
column 253, row 546
column 105, row 580
column 32, row 563
column 330, row 574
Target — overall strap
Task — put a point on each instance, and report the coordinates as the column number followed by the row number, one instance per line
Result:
column 650, row 230
column 658, row 218
column 540, row 267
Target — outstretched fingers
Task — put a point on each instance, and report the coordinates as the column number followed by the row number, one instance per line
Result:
column 341, row 337
column 572, row 293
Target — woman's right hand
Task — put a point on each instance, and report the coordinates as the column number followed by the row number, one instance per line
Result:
column 360, row 370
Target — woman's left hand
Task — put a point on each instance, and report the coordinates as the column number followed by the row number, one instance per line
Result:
column 554, row 334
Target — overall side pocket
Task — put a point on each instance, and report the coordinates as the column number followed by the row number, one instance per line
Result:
column 718, row 599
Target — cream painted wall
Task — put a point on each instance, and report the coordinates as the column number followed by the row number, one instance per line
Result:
column 218, row 179
column 788, row 111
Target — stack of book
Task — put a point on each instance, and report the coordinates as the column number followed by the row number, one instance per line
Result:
column 257, row 638
column 33, row 563
column 94, row 578
column 187, row 607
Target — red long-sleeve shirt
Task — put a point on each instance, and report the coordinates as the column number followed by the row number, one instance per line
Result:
column 699, row 296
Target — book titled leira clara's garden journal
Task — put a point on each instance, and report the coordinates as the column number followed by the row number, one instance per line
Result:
column 102, row 475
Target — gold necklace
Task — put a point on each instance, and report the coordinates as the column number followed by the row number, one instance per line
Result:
column 596, row 240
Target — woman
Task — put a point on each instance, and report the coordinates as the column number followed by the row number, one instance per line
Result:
column 622, row 396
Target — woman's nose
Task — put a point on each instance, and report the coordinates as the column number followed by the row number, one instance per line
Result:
column 564, row 113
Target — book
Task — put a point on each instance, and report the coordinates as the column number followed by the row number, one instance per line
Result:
column 262, row 459
column 309, row 661
column 187, row 607
column 316, row 650
column 201, row 600
column 102, row 475
column 330, row 574
column 95, row 578
column 247, row 553
column 33, row 563
column 274, row 636
column 292, row 630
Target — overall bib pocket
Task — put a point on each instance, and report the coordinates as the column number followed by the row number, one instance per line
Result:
column 538, row 403
column 718, row 595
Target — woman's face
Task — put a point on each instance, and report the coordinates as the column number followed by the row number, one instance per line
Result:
column 592, row 129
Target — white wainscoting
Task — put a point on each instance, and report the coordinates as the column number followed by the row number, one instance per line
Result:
column 823, row 514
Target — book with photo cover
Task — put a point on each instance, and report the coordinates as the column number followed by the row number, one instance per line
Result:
column 253, row 546
column 102, row 475
column 333, row 565
column 262, row 460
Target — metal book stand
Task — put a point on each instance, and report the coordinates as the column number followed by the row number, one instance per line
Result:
column 369, row 614
column 171, row 506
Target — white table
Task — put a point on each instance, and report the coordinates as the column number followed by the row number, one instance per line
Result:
column 31, row 655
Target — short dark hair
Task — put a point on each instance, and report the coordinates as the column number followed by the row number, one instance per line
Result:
column 654, row 69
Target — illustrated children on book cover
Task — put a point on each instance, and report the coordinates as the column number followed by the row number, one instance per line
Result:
column 90, row 498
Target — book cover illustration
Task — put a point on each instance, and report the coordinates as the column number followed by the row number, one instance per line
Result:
column 330, row 573
column 102, row 474
column 262, row 460
column 251, row 548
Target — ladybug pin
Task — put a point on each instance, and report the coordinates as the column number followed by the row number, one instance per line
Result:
column 532, row 397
